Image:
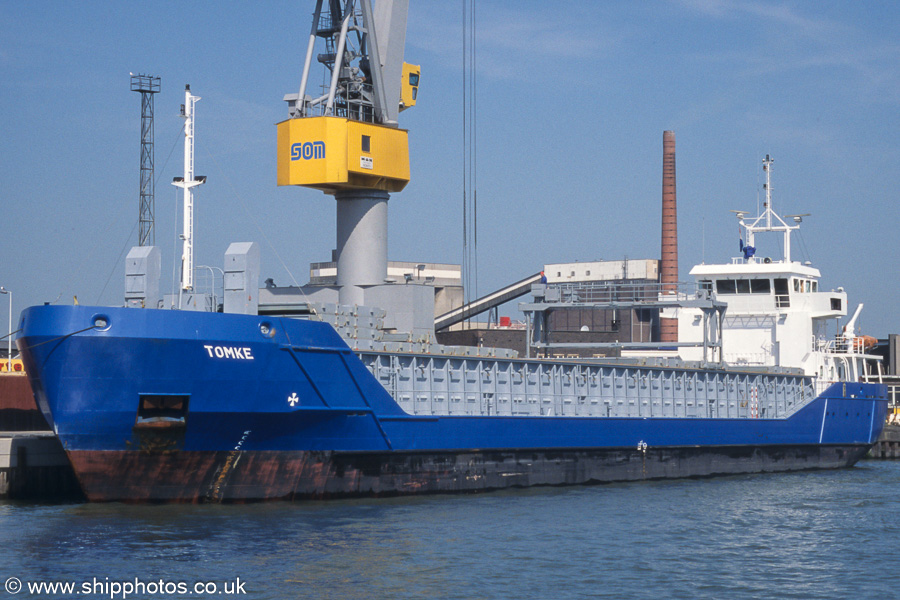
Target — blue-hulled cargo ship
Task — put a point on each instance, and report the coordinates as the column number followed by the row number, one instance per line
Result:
column 340, row 388
column 161, row 405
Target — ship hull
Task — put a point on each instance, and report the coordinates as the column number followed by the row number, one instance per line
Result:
column 170, row 406
column 247, row 476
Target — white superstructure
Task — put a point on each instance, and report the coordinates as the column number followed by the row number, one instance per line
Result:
column 776, row 315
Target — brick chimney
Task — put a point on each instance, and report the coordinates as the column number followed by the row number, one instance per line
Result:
column 668, row 269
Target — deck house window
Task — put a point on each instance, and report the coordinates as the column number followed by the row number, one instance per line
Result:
column 760, row 286
column 743, row 286
column 725, row 286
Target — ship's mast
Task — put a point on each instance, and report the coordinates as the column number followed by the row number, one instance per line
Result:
column 769, row 219
column 188, row 183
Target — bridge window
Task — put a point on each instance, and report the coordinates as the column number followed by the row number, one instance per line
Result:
column 760, row 286
column 726, row 286
column 805, row 286
column 739, row 286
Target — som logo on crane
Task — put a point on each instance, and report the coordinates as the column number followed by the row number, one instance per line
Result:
column 307, row 150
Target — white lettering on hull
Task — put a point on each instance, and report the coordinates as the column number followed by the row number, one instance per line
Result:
column 228, row 352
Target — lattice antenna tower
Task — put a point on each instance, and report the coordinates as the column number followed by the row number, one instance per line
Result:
column 147, row 85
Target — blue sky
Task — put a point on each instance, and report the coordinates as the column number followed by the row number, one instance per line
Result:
column 573, row 98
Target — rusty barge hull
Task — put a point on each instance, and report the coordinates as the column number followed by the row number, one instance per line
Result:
column 248, row 476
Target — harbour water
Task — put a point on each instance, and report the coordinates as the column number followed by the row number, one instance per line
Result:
column 799, row 535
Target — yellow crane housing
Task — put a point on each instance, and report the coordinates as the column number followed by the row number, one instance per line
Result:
column 335, row 153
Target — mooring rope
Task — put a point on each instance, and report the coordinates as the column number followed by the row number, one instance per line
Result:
column 10, row 334
column 62, row 337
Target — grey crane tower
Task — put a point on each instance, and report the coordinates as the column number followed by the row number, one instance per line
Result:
column 346, row 141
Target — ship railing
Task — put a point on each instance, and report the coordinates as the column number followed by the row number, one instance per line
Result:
column 849, row 361
column 619, row 291
column 838, row 345
column 823, row 345
column 750, row 359
column 753, row 260
column 210, row 281
column 823, row 384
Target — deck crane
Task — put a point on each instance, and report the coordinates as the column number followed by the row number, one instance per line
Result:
column 346, row 140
